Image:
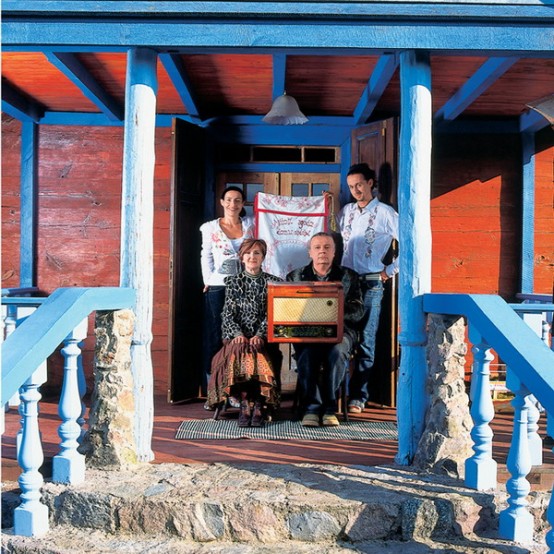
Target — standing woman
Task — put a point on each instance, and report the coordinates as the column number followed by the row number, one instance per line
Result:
column 221, row 241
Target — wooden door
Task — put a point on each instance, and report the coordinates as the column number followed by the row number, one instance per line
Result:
column 376, row 144
column 185, row 279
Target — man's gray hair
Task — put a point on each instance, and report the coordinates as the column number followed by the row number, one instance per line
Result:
column 323, row 234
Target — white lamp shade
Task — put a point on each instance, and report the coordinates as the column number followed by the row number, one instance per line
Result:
column 285, row 111
column 545, row 106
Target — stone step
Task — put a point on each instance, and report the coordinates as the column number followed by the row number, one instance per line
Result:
column 263, row 507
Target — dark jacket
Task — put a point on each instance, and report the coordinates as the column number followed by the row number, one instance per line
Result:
column 353, row 302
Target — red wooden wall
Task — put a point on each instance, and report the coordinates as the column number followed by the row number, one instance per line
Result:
column 476, row 214
column 79, row 218
column 544, row 214
column 475, row 210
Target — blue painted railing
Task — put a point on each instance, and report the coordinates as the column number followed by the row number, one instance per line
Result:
column 62, row 317
column 39, row 335
column 494, row 324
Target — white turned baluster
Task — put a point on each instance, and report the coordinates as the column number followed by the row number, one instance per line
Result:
column 30, row 517
column 550, row 518
column 515, row 522
column 481, row 469
column 69, row 465
column 533, row 437
column 82, row 391
column 10, row 324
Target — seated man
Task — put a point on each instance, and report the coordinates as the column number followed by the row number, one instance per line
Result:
column 321, row 401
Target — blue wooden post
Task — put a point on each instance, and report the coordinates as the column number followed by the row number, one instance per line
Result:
column 414, row 200
column 481, row 469
column 137, row 230
column 516, row 522
column 528, row 214
column 28, row 220
column 69, row 465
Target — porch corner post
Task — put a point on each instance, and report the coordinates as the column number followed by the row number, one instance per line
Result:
column 414, row 196
column 137, row 229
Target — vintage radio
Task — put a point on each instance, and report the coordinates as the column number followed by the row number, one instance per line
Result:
column 305, row 312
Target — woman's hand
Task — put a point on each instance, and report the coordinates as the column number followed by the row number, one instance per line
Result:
column 241, row 339
column 256, row 343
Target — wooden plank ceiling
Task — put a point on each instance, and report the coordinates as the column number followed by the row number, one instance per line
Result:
column 241, row 84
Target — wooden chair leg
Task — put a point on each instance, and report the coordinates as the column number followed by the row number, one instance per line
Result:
column 219, row 410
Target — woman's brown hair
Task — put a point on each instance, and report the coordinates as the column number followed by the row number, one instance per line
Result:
column 248, row 244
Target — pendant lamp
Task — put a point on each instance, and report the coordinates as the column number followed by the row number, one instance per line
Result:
column 544, row 106
column 285, row 111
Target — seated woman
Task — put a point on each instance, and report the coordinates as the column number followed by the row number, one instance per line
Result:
column 243, row 368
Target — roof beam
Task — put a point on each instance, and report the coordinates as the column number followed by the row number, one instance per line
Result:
column 279, row 74
column 480, row 81
column 380, row 78
column 77, row 73
column 367, row 36
column 19, row 106
column 177, row 73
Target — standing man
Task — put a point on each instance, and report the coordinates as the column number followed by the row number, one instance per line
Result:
column 320, row 396
column 368, row 228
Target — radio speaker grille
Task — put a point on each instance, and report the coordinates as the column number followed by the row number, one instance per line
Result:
column 305, row 310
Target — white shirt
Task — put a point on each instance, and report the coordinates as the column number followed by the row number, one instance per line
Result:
column 218, row 257
column 367, row 234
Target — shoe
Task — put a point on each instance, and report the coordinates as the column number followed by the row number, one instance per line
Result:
column 310, row 420
column 233, row 402
column 330, row 420
column 257, row 416
column 208, row 407
column 355, row 407
column 244, row 414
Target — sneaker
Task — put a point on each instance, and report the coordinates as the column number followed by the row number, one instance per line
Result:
column 208, row 407
column 355, row 407
column 330, row 420
column 310, row 420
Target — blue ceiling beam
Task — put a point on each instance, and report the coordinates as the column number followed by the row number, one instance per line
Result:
column 19, row 106
column 279, row 75
column 447, row 36
column 480, row 81
column 380, row 78
column 79, row 75
column 177, row 73
column 532, row 121
column 532, row 9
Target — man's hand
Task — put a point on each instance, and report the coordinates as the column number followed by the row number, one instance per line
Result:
column 384, row 276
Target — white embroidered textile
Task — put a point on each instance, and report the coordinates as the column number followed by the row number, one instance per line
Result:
column 287, row 223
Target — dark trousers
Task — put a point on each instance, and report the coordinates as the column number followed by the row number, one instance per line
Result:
column 372, row 292
column 321, row 370
column 214, row 299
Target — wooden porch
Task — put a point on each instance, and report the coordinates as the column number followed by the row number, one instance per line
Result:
column 167, row 449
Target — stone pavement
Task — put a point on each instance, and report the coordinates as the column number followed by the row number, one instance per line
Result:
column 271, row 508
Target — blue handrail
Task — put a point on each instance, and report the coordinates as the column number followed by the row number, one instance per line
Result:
column 524, row 352
column 41, row 333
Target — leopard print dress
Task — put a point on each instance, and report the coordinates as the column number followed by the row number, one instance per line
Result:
column 244, row 313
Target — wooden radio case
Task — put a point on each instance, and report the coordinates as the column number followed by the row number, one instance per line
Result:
column 306, row 311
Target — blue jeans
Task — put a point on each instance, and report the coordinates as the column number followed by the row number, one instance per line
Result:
column 372, row 292
column 214, row 299
column 319, row 387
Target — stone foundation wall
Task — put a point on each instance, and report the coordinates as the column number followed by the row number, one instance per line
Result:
column 446, row 442
column 109, row 442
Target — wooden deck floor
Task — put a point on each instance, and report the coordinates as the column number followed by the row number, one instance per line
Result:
column 167, row 449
